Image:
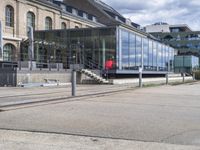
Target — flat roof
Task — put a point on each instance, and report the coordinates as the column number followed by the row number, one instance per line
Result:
column 185, row 26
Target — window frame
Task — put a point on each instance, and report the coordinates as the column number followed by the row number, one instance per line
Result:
column 48, row 23
column 30, row 16
column 9, row 16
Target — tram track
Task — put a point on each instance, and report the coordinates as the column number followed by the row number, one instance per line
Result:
column 51, row 93
column 32, row 103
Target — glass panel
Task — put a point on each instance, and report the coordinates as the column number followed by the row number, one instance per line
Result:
column 125, row 49
column 132, row 57
column 90, row 47
column 31, row 20
column 145, row 53
column 8, row 52
column 48, row 23
column 160, row 57
column 9, row 16
column 138, row 51
column 150, row 54
column 163, row 57
column 155, row 45
column 167, row 58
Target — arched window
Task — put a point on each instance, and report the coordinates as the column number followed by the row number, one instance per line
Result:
column 63, row 25
column 48, row 23
column 31, row 20
column 9, row 13
column 8, row 52
column 76, row 27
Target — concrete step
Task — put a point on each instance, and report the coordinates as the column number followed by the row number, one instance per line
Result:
column 94, row 76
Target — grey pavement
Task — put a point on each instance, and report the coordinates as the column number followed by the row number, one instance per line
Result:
column 14, row 140
column 22, row 95
column 165, row 114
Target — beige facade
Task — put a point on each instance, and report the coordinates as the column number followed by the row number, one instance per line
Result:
column 18, row 32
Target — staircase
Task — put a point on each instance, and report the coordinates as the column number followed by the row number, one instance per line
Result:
column 94, row 76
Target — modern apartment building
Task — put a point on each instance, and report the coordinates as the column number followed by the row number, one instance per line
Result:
column 181, row 37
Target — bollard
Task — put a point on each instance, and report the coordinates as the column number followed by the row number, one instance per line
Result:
column 73, row 82
column 194, row 77
column 183, row 77
column 140, row 77
column 167, row 79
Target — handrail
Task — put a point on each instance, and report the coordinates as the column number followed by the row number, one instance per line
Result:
column 91, row 64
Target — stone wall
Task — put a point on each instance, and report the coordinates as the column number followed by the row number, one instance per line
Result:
column 40, row 76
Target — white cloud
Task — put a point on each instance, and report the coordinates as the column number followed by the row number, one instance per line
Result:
column 148, row 12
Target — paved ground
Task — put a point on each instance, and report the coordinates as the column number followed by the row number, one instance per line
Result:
column 167, row 114
column 14, row 140
column 19, row 95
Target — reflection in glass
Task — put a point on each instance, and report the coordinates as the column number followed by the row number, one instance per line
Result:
column 138, row 51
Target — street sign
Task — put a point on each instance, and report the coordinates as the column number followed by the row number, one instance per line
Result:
column 140, row 69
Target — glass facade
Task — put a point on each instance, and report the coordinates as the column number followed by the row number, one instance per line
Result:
column 128, row 49
column 186, row 64
column 137, row 50
column 91, row 47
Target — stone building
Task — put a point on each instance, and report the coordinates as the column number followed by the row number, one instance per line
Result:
column 17, row 15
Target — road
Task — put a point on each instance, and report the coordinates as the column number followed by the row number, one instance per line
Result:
column 165, row 114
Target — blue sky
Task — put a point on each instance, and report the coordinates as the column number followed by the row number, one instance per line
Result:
column 145, row 12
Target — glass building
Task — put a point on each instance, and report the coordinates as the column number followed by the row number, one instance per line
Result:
column 186, row 64
column 129, row 49
column 186, row 42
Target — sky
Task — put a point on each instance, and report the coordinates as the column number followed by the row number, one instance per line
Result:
column 146, row 12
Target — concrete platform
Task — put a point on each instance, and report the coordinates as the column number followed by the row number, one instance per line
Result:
column 158, row 80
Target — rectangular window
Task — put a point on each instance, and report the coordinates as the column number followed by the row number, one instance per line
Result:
column 150, row 53
column 145, row 53
column 155, row 45
column 159, row 56
column 125, row 50
column 138, row 51
column 132, row 57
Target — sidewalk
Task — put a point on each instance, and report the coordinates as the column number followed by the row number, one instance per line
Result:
column 17, row 140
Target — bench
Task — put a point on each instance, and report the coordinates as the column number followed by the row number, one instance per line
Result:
column 51, row 81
